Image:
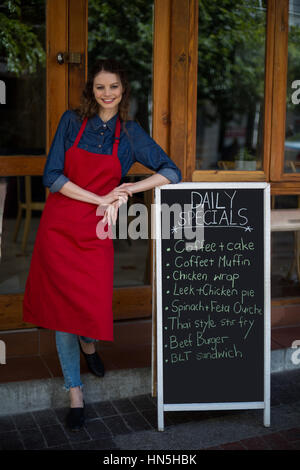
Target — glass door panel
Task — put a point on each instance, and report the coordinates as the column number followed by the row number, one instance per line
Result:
column 124, row 31
column 285, row 248
column 20, row 217
column 230, row 88
column 22, row 133
column 292, row 129
column 23, row 72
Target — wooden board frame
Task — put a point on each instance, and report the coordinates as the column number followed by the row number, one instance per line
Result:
column 265, row 405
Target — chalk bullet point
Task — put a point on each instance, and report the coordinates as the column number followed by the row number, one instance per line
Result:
column 166, row 327
column 166, row 360
column 168, row 292
column 168, row 264
column 168, row 249
column 166, row 308
column 168, row 277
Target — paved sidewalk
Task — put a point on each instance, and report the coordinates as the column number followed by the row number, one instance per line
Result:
column 131, row 424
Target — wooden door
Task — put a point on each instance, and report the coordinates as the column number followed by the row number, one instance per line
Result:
column 66, row 37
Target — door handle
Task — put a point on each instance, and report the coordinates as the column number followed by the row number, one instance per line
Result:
column 68, row 58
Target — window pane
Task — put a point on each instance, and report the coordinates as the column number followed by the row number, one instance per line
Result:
column 284, row 272
column 124, row 31
column 18, row 228
column 22, row 131
column 231, row 57
column 292, row 135
column 23, row 78
column 131, row 254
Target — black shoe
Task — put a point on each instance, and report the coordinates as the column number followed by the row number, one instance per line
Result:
column 75, row 419
column 94, row 363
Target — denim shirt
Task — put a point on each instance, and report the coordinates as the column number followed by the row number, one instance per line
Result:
column 98, row 137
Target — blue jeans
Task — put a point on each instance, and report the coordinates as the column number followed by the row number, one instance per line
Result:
column 68, row 350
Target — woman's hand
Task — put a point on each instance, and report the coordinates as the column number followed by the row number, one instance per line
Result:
column 121, row 191
column 111, row 212
column 113, row 201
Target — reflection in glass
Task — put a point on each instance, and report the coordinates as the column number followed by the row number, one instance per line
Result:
column 23, row 71
column 131, row 256
column 22, row 132
column 292, row 133
column 124, row 31
column 284, row 275
column 18, row 228
column 231, row 56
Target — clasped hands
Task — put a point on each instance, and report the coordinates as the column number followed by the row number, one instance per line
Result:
column 113, row 200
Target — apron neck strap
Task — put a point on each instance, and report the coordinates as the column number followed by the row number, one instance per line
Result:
column 80, row 132
column 117, row 137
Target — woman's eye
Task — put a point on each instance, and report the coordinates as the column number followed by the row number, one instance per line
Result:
column 101, row 87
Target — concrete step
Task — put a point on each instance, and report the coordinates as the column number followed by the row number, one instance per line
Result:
column 33, row 395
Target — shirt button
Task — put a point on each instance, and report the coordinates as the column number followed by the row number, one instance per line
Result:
column 101, row 133
column 100, row 146
column 104, row 125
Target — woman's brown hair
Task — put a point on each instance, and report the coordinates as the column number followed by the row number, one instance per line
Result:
column 88, row 105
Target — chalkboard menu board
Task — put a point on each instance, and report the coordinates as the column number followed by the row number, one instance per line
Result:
column 212, row 295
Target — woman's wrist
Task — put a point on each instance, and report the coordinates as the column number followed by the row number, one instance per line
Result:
column 94, row 198
column 99, row 201
column 148, row 183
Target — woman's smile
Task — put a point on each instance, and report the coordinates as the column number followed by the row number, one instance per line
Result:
column 108, row 92
column 105, row 100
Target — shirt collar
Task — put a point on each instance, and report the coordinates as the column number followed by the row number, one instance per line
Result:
column 97, row 122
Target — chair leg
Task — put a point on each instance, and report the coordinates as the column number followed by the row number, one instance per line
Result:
column 17, row 226
column 28, row 212
column 26, row 230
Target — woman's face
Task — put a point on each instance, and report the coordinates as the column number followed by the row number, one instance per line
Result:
column 108, row 90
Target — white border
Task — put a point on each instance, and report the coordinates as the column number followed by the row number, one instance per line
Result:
column 267, row 305
column 265, row 405
column 160, row 404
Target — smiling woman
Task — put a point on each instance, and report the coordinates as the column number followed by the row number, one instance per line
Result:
column 108, row 92
column 107, row 86
column 74, row 297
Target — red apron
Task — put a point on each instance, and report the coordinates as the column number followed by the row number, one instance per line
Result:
column 70, row 282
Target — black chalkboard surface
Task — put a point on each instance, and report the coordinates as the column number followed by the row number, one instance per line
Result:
column 212, row 294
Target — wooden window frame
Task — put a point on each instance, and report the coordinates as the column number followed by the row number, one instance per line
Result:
column 257, row 175
column 276, row 63
column 277, row 174
column 183, row 77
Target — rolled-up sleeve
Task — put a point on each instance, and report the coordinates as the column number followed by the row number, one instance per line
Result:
column 151, row 155
column 53, row 176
